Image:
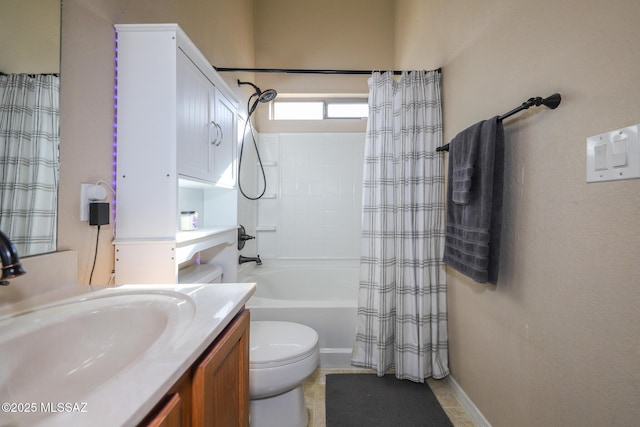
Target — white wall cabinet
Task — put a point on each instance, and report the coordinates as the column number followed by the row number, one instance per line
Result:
column 176, row 133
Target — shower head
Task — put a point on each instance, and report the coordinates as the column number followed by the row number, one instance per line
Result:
column 264, row 97
column 268, row 95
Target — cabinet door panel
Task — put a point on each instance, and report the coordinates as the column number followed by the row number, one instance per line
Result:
column 169, row 416
column 224, row 152
column 194, row 121
column 175, row 409
column 221, row 380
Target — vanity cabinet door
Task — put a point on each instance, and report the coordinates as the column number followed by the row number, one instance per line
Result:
column 170, row 415
column 221, row 379
column 175, row 409
column 196, row 130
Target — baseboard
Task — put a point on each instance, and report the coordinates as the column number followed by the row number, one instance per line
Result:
column 469, row 406
column 335, row 358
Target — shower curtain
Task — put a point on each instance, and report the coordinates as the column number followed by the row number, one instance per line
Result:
column 402, row 318
column 29, row 165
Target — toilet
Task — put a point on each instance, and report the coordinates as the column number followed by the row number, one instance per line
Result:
column 281, row 356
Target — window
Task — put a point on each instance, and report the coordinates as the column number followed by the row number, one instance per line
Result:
column 298, row 110
column 347, row 110
column 319, row 109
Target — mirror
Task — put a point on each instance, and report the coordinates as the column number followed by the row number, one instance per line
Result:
column 29, row 117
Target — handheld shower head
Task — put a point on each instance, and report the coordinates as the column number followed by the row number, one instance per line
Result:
column 264, row 97
column 268, row 95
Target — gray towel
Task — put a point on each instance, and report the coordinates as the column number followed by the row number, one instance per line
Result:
column 474, row 201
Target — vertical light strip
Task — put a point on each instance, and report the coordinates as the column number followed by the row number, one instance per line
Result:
column 115, row 128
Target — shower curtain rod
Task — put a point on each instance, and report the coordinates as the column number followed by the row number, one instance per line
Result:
column 550, row 102
column 303, row 71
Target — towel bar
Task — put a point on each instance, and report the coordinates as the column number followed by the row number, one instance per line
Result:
column 550, row 102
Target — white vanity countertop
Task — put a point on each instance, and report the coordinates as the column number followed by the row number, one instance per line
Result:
column 128, row 395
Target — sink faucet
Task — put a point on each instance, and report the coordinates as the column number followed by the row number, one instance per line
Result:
column 11, row 266
column 244, row 259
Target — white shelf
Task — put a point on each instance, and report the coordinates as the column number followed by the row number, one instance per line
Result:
column 186, row 243
column 187, row 238
column 189, row 243
column 184, row 238
column 200, row 273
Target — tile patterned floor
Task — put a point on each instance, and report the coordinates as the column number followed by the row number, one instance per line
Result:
column 314, row 389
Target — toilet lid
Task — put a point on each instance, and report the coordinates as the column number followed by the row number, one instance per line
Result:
column 274, row 343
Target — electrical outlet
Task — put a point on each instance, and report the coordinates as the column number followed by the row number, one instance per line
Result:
column 90, row 193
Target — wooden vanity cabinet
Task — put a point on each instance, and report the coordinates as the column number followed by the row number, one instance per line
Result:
column 221, row 379
column 215, row 390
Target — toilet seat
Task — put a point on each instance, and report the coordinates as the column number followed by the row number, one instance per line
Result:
column 275, row 343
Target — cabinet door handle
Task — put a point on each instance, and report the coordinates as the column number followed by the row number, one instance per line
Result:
column 215, row 137
column 221, row 133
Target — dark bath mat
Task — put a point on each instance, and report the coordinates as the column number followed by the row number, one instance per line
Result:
column 357, row 400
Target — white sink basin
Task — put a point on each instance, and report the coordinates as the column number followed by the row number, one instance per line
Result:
column 80, row 345
column 111, row 355
column 60, row 354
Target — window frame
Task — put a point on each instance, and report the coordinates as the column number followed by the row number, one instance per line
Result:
column 326, row 100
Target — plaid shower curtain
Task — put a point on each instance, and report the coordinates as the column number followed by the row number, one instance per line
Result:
column 29, row 165
column 402, row 318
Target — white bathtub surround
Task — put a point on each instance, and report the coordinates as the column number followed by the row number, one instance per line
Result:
column 402, row 320
column 321, row 294
column 313, row 202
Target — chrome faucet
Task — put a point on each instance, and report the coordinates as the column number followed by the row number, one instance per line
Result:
column 244, row 259
column 11, row 266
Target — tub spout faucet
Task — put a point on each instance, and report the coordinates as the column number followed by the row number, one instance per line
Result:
column 11, row 266
column 244, row 259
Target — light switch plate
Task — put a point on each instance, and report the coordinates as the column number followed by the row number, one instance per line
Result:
column 614, row 155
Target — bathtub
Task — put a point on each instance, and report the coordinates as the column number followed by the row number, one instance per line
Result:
column 320, row 294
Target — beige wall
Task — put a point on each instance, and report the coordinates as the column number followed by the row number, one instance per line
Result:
column 30, row 35
column 224, row 32
column 327, row 34
column 557, row 341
